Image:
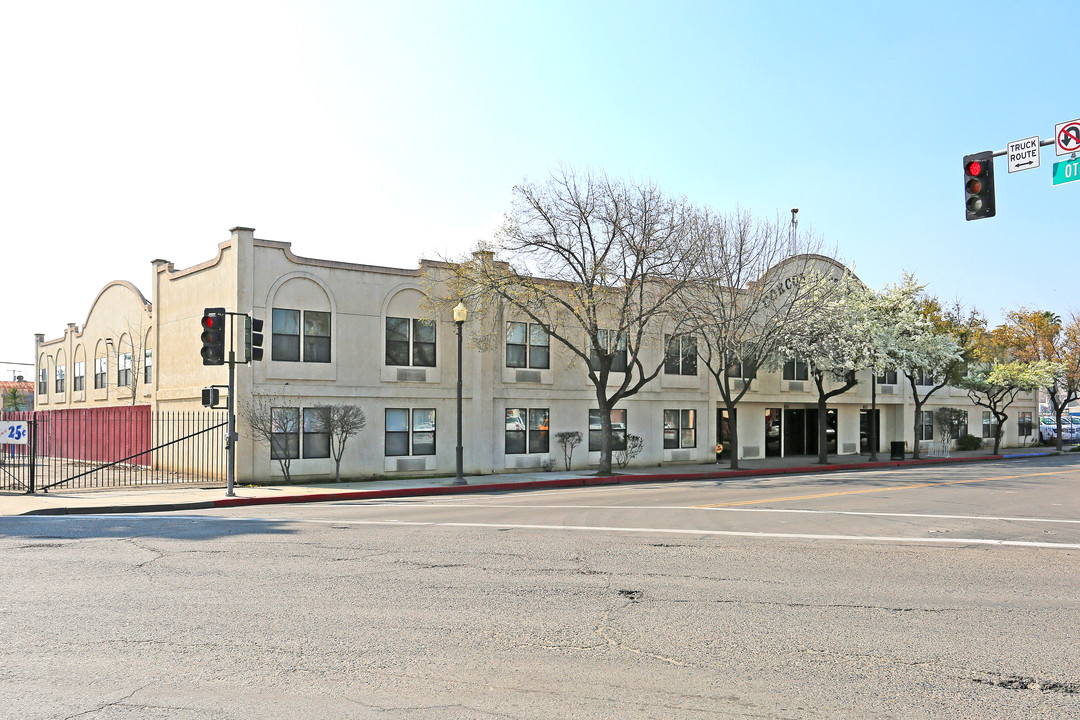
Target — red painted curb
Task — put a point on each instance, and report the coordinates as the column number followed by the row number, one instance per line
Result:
column 582, row 482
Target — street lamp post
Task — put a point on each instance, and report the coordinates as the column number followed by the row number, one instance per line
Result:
column 461, row 313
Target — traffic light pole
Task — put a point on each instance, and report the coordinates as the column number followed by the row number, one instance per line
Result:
column 230, row 471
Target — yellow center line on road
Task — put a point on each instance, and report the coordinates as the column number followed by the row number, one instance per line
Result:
column 876, row 490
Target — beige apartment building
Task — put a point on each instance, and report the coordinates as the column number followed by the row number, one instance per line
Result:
column 340, row 332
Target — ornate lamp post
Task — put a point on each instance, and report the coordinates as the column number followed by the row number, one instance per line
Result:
column 461, row 313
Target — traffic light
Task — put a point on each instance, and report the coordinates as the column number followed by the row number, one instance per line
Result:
column 213, row 336
column 254, row 339
column 210, row 397
column 979, row 185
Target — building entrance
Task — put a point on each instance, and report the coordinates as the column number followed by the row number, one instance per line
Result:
column 801, row 431
column 723, row 423
column 865, row 443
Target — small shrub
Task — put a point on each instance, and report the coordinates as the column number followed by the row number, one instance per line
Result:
column 634, row 445
column 568, row 440
column 969, row 442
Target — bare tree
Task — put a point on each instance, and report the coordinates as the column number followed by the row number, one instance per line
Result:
column 343, row 422
column 131, row 348
column 752, row 286
column 568, row 440
column 277, row 426
column 595, row 263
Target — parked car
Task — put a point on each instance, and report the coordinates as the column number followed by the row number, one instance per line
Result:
column 1048, row 429
column 1070, row 431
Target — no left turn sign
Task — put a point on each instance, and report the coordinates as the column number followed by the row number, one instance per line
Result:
column 1067, row 137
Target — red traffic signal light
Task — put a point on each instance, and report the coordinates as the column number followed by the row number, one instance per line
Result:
column 213, row 336
column 979, row 186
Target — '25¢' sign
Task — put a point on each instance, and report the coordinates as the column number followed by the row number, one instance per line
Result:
column 14, row 432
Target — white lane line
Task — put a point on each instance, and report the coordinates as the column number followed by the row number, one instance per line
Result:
column 725, row 533
column 744, row 510
column 589, row 528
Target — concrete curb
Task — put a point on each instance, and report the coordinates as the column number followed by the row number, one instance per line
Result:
column 512, row 486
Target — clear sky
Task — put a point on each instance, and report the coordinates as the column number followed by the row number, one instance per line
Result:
column 382, row 132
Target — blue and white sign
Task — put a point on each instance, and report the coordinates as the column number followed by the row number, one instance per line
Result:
column 14, row 432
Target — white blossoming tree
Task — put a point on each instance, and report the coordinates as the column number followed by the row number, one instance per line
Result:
column 835, row 342
column 995, row 386
column 908, row 340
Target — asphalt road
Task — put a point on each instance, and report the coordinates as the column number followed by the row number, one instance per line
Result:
column 943, row 592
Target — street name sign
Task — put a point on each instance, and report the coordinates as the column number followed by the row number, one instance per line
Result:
column 1066, row 171
column 1023, row 154
column 1067, row 137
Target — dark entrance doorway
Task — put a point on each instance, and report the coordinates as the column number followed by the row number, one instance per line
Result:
column 801, row 432
column 723, row 423
column 866, row 445
column 773, row 426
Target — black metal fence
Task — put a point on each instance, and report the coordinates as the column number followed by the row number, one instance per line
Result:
column 114, row 447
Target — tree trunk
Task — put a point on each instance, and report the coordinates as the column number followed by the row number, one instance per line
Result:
column 605, row 439
column 822, row 448
column 915, row 436
column 733, row 426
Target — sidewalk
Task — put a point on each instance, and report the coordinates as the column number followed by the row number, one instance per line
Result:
column 191, row 498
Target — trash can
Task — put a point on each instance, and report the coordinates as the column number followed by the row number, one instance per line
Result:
column 897, row 450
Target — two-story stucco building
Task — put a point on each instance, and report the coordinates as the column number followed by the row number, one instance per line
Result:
column 348, row 333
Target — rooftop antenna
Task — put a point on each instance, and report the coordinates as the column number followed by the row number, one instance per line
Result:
column 794, row 228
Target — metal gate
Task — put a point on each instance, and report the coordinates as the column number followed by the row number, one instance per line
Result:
column 114, row 447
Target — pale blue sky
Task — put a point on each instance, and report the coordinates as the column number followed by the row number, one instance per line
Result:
column 382, row 132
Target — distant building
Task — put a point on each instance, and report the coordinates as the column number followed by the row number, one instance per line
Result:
column 17, row 394
column 349, row 333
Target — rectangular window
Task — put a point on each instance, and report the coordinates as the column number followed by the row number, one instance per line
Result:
column 989, row 424
column 796, row 369
column 680, row 429
column 148, row 366
column 78, row 376
column 410, row 432
column 1024, row 424
column 961, row 428
column 925, row 427
column 680, row 355
column 737, row 370
column 887, row 378
column 285, row 340
column 613, row 344
column 410, row 341
column 123, row 370
column 526, row 431
column 527, row 345
column 101, row 369
column 316, row 336
column 43, row 381
column 924, row 378
column 618, row 430
column 284, row 433
column 60, row 376
column 317, row 432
